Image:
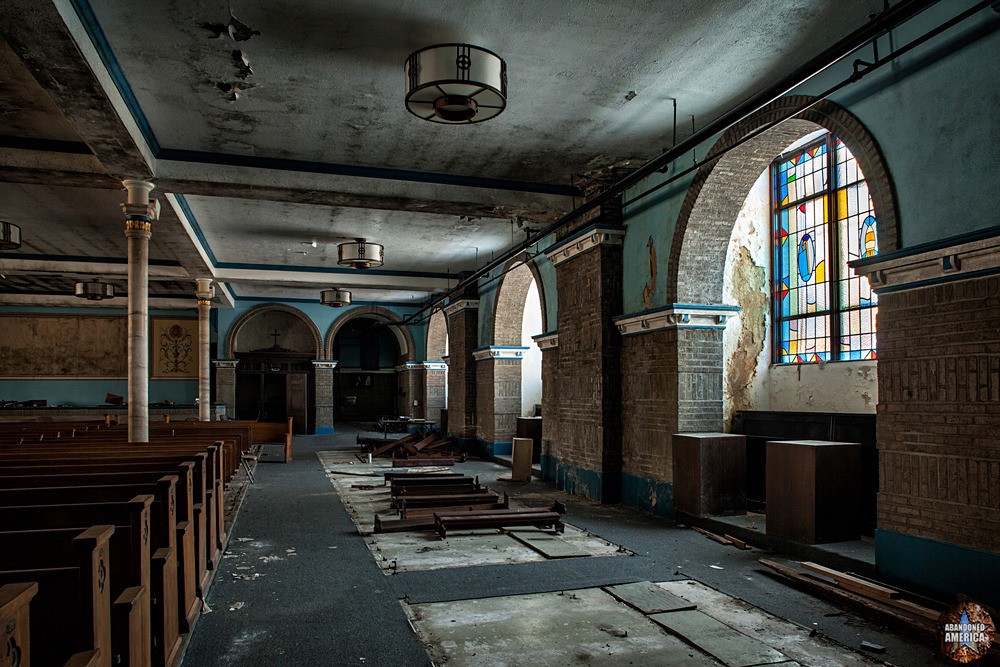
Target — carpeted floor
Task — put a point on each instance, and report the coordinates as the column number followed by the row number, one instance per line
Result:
column 299, row 586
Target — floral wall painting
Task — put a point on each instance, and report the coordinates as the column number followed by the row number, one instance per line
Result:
column 174, row 348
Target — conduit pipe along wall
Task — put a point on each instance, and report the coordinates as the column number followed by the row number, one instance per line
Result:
column 880, row 24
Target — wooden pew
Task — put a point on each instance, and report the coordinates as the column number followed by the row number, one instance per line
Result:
column 213, row 504
column 172, row 515
column 163, row 575
column 15, row 627
column 57, row 474
column 128, row 576
column 71, row 613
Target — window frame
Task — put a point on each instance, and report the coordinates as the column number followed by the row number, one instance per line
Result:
column 835, row 308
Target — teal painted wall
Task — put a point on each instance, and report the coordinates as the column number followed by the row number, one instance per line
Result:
column 934, row 115
column 910, row 561
column 92, row 392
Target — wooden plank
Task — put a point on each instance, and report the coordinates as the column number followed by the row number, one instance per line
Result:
column 733, row 648
column 550, row 546
column 649, row 598
column 845, row 580
column 735, row 541
column 711, row 536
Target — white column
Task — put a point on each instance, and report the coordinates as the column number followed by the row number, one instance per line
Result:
column 205, row 292
column 139, row 216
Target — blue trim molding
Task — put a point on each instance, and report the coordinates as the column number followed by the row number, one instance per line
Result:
column 924, row 563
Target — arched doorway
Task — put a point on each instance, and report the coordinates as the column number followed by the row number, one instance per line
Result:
column 365, row 380
column 275, row 346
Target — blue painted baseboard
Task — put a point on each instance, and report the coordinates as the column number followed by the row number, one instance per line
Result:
column 652, row 495
column 549, row 465
column 942, row 567
column 580, row 481
column 324, row 430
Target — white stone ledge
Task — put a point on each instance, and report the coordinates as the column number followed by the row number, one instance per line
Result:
column 324, row 364
column 461, row 304
column 677, row 316
column 956, row 262
column 547, row 341
column 499, row 352
column 584, row 242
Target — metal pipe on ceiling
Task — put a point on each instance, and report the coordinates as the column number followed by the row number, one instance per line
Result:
column 880, row 24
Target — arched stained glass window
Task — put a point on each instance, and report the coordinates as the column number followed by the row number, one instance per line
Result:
column 822, row 218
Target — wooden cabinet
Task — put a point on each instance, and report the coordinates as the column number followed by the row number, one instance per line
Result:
column 709, row 473
column 813, row 490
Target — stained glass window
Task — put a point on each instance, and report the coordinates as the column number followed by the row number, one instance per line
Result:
column 823, row 218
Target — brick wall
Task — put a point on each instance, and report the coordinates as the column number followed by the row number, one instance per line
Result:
column 699, row 383
column 649, row 403
column 550, row 402
column 589, row 395
column 324, row 398
column 411, row 386
column 462, row 340
column 939, row 412
column 434, row 394
column 498, row 399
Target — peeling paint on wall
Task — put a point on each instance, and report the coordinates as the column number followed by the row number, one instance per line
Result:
column 750, row 292
column 650, row 288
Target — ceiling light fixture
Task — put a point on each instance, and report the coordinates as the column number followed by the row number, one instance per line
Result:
column 335, row 297
column 455, row 83
column 359, row 254
column 10, row 236
column 94, row 290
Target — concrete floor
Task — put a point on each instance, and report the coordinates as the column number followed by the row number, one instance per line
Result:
column 300, row 586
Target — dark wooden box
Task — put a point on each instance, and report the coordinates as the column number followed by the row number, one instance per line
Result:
column 531, row 427
column 709, row 473
column 813, row 490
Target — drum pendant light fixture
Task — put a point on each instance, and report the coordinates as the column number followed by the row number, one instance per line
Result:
column 10, row 236
column 94, row 290
column 335, row 297
column 359, row 254
column 455, row 84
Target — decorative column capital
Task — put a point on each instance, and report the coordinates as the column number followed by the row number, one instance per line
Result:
column 676, row 316
column 583, row 241
column 435, row 366
column 225, row 363
column 461, row 304
column 547, row 341
column 205, row 291
column 509, row 352
column 324, row 364
column 410, row 366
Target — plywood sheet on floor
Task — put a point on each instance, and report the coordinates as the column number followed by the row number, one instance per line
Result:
column 647, row 597
column 590, row 626
column 364, row 496
column 792, row 640
column 549, row 545
column 733, row 648
column 583, row 627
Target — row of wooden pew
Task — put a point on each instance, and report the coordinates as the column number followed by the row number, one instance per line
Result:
column 111, row 546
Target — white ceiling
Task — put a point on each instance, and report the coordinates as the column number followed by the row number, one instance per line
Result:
column 322, row 148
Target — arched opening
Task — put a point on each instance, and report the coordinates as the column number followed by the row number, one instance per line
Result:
column 365, row 380
column 516, row 361
column 436, row 371
column 275, row 381
column 730, row 236
column 531, row 363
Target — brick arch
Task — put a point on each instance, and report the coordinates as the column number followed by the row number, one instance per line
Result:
column 404, row 338
column 242, row 320
column 508, row 311
column 705, row 225
column 437, row 336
